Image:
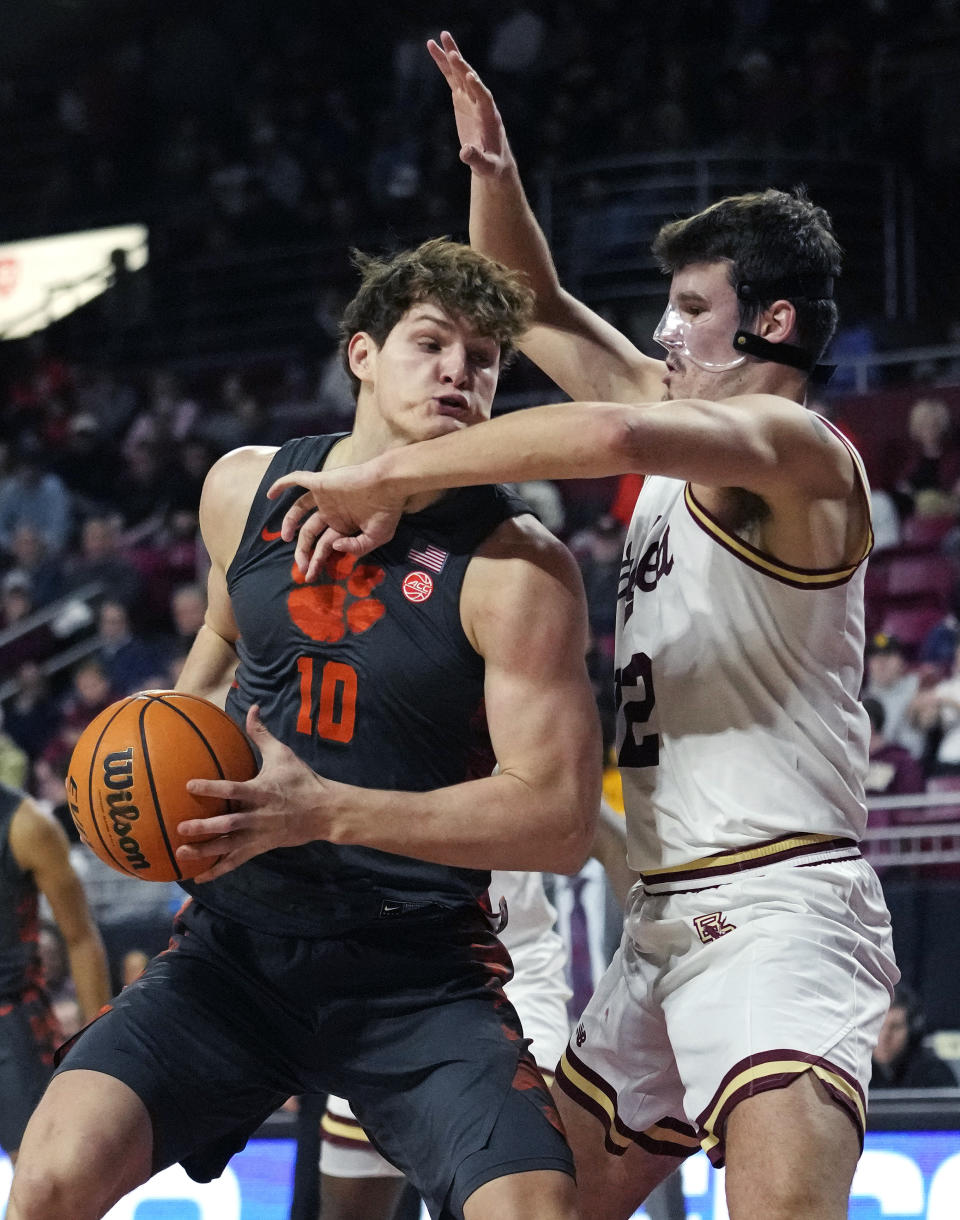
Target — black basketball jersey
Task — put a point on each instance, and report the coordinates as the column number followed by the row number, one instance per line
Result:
column 368, row 676
column 19, row 952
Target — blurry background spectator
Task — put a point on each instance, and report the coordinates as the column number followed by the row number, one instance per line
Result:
column 931, row 473
column 34, row 496
column 901, row 1061
column 894, row 685
column 14, row 761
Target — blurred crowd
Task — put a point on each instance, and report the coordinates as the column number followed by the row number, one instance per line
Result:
column 223, row 126
column 232, row 127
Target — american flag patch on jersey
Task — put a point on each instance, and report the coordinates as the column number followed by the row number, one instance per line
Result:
column 431, row 557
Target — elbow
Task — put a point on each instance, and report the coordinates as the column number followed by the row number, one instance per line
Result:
column 623, row 440
column 572, row 846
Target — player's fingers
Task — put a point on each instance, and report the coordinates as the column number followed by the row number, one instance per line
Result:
column 294, row 515
column 226, row 864
column 295, row 478
column 326, row 546
column 307, row 537
column 453, row 52
column 380, row 530
column 217, row 789
column 206, row 829
column 255, row 726
column 439, row 57
column 352, row 544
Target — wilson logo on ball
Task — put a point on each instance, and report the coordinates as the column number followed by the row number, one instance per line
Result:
column 118, row 775
column 127, row 782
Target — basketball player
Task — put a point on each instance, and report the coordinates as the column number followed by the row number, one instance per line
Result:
column 356, row 1182
column 338, row 941
column 756, row 965
column 34, row 860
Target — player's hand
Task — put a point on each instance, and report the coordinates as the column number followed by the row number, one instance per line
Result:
column 284, row 805
column 346, row 510
column 483, row 139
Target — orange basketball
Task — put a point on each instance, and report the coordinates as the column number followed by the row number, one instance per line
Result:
column 127, row 780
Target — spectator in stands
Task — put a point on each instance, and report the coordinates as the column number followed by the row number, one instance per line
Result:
column 892, row 682
column 14, row 762
column 936, row 712
column 16, row 608
column 140, row 493
column 50, row 791
column 893, row 770
column 16, row 598
column 129, row 662
column 59, row 985
column 31, row 556
column 901, row 1061
column 194, row 457
column 188, row 605
column 931, row 478
column 108, row 403
column 101, row 561
column 87, row 463
column 90, row 693
column 33, row 495
column 32, row 714
column 939, row 645
column 169, row 416
column 885, row 517
column 599, row 550
column 236, row 418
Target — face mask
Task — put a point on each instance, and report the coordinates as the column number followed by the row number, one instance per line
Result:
column 698, row 341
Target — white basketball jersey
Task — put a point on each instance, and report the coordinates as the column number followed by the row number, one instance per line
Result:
column 740, row 732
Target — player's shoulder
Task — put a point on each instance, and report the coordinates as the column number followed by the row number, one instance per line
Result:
column 523, row 537
column 33, row 831
column 234, row 477
column 244, row 463
column 521, row 558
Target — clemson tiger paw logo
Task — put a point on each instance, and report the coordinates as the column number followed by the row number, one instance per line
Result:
column 339, row 602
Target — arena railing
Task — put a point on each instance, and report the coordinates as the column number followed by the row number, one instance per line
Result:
column 66, row 616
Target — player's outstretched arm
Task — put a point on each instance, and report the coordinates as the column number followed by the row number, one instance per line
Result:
column 762, row 443
column 585, row 356
column 40, row 846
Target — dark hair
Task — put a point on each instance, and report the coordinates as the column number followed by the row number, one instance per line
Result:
column 906, row 998
column 874, row 709
column 462, row 281
column 772, row 239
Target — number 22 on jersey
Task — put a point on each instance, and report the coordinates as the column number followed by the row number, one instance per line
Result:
column 633, row 687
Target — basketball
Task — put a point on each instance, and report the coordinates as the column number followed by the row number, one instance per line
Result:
column 126, row 785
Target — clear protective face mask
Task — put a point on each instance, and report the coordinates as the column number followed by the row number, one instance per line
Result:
column 697, row 341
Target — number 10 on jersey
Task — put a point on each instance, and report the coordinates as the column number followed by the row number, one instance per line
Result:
column 336, row 699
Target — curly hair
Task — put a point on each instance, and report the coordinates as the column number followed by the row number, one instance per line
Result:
column 769, row 238
column 496, row 301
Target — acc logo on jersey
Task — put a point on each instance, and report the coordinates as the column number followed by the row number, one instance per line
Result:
column 417, row 586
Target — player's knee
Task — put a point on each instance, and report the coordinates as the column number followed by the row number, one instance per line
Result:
column 785, row 1195
column 40, row 1193
column 64, row 1183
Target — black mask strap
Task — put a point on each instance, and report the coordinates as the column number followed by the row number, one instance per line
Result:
column 783, row 353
